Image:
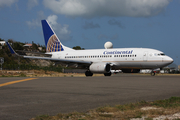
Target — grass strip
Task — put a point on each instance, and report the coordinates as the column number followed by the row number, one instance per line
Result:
column 142, row 109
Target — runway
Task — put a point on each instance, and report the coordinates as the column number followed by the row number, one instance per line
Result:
column 29, row 97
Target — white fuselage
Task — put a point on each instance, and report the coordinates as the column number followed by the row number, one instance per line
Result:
column 120, row 58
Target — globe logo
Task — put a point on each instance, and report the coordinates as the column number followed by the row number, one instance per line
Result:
column 53, row 44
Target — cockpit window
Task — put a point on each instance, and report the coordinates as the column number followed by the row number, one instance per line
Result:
column 162, row 54
column 159, row 54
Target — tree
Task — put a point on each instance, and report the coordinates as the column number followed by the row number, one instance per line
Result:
column 1, row 39
column 34, row 46
column 10, row 41
column 78, row 48
column 18, row 46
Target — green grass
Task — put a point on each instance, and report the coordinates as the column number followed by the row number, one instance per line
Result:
column 4, row 76
column 172, row 102
column 21, row 75
column 123, row 112
column 43, row 117
column 148, row 118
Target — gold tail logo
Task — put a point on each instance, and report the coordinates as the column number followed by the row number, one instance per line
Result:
column 54, row 44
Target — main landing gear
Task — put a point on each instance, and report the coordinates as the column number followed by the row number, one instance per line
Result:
column 153, row 73
column 88, row 73
column 107, row 74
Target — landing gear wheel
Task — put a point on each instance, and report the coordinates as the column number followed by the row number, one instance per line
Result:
column 153, row 73
column 88, row 73
column 107, row 74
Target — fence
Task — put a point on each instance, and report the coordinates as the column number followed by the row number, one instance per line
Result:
column 30, row 67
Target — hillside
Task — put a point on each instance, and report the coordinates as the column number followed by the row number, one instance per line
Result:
column 10, row 61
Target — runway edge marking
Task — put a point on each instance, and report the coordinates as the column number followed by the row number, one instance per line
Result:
column 17, row 81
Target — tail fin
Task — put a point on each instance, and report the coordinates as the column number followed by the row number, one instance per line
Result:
column 11, row 49
column 52, row 42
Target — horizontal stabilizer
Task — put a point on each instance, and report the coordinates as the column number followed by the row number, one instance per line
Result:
column 11, row 49
column 48, row 58
column 59, row 60
column 38, row 53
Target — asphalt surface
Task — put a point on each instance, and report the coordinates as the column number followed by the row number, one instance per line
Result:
column 25, row 100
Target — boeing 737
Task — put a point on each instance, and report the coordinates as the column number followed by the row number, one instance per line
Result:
column 129, row 60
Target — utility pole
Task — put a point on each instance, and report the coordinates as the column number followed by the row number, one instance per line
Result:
column 1, row 61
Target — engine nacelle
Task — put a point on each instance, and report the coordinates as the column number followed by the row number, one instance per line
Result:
column 100, row 68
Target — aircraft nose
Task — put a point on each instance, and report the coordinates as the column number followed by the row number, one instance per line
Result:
column 170, row 59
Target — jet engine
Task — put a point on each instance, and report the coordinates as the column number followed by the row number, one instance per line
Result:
column 100, row 68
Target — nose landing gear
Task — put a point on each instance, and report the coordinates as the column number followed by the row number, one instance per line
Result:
column 153, row 73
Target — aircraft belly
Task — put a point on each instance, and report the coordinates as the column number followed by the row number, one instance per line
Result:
column 141, row 64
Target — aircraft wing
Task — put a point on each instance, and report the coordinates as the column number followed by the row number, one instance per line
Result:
column 49, row 58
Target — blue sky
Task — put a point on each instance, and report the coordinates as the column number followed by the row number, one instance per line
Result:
column 91, row 23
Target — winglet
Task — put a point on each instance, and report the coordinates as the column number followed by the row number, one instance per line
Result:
column 11, row 49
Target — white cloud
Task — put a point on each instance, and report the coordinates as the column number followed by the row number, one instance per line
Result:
column 90, row 25
column 36, row 22
column 116, row 23
column 52, row 19
column 63, row 31
column 33, row 23
column 105, row 37
column 68, row 7
column 8, row 3
column 41, row 15
column 32, row 3
column 115, row 8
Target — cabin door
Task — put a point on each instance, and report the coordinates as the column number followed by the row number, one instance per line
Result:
column 145, row 56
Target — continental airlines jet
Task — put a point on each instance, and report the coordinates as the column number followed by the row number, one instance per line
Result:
column 100, row 60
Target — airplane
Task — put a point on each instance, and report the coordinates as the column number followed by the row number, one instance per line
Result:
column 129, row 60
